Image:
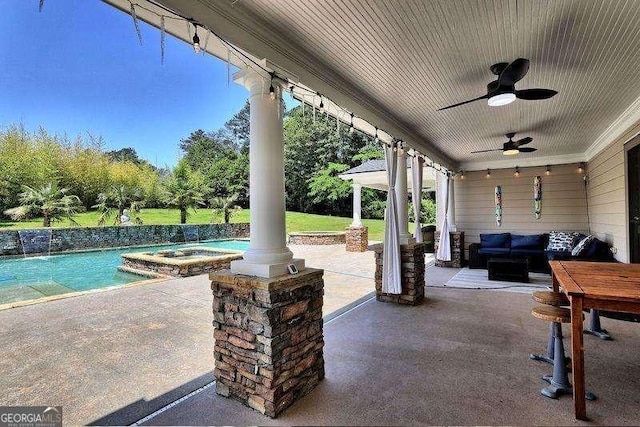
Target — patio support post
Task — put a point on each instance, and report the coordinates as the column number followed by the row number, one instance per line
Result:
column 451, row 207
column 401, row 197
column 268, row 254
column 357, row 237
column 357, row 205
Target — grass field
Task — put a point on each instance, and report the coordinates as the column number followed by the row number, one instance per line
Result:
column 296, row 221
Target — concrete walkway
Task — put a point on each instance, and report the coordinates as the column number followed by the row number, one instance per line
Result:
column 116, row 356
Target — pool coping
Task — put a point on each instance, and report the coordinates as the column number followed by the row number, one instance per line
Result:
column 17, row 304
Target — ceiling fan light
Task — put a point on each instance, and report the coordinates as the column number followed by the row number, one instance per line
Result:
column 511, row 152
column 501, row 99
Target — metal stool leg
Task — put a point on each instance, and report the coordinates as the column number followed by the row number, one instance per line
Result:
column 548, row 358
column 594, row 327
column 559, row 382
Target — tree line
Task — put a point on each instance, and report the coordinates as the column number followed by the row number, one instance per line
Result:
column 41, row 171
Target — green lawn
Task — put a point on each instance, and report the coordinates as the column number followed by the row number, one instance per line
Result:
column 296, row 221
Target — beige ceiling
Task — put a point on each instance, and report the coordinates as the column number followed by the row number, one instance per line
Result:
column 395, row 62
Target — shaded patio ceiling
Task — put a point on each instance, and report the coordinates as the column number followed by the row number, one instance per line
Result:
column 394, row 63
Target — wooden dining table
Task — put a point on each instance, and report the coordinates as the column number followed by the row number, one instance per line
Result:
column 600, row 285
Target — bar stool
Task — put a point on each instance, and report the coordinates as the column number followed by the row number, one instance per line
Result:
column 555, row 299
column 558, row 382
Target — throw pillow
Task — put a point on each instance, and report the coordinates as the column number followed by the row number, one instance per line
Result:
column 582, row 245
column 561, row 241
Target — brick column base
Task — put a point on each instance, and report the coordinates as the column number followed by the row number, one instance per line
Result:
column 456, row 239
column 268, row 337
column 357, row 239
column 412, row 266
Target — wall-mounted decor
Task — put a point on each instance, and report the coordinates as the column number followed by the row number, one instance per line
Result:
column 537, row 197
column 498, row 200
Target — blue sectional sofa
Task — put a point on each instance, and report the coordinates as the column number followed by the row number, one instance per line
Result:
column 507, row 245
column 533, row 247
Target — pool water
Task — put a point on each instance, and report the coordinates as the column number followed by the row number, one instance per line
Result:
column 37, row 277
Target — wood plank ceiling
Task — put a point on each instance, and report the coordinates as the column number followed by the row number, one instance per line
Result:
column 413, row 57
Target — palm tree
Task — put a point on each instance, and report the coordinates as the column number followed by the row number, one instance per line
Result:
column 225, row 206
column 119, row 197
column 184, row 189
column 51, row 202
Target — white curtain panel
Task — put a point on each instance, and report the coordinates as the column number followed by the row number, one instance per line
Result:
column 391, row 277
column 444, row 246
column 416, row 194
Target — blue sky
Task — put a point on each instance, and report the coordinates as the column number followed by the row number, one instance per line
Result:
column 77, row 67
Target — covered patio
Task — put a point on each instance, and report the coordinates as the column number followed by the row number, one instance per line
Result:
column 417, row 76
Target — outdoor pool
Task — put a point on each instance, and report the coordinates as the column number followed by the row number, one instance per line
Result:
column 37, row 277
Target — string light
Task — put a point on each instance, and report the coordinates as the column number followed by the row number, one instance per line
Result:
column 548, row 171
column 376, row 139
column 461, row 174
column 272, row 91
column 291, row 90
column 247, row 60
column 196, row 40
column 517, row 172
column 488, row 173
column 581, row 167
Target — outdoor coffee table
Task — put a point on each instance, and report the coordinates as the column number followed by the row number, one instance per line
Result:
column 600, row 285
column 508, row 269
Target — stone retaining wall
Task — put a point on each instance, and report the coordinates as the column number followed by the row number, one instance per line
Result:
column 83, row 238
column 317, row 238
column 268, row 337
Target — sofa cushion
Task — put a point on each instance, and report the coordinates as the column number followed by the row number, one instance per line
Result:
column 495, row 240
column 582, row 245
column 558, row 255
column 533, row 241
column 494, row 251
column 561, row 240
column 598, row 251
column 526, row 252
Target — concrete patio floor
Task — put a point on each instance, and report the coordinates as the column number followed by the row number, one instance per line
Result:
column 115, row 356
column 461, row 358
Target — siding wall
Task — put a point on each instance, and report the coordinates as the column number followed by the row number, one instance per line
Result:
column 564, row 203
column 607, row 194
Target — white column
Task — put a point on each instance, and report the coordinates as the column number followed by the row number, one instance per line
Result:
column 451, row 210
column 402, row 197
column 441, row 199
column 357, row 205
column 268, row 254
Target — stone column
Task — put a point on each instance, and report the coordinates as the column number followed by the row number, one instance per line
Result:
column 402, row 197
column 357, row 234
column 412, row 256
column 357, row 205
column 268, row 254
column 268, row 338
column 451, row 210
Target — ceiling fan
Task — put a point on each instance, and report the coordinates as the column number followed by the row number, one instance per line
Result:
column 512, row 147
column 502, row 91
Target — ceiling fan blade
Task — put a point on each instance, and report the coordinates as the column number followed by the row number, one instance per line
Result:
column 523, row 141
column 514, row 72
column 486, row 151
column 534, row 94
column 464, row 102
column 527, row 149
